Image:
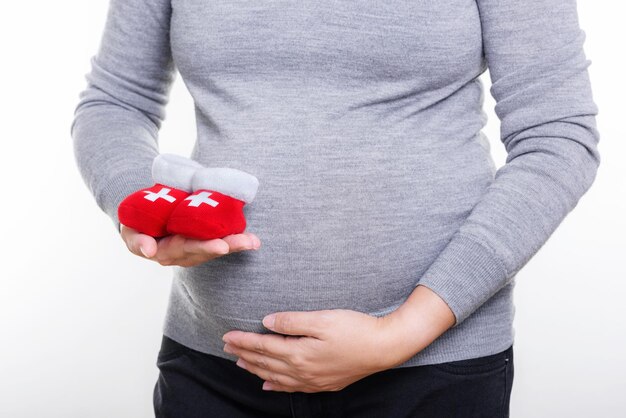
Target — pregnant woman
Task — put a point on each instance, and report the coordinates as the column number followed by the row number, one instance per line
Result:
column 382, row 236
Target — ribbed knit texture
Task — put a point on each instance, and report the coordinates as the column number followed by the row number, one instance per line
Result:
column 362, row 122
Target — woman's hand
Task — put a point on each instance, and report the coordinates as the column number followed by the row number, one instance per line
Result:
column 329, row 349
column 178, row 250
column 323, row 350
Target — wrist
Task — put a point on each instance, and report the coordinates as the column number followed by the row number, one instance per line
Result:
column 419, row 321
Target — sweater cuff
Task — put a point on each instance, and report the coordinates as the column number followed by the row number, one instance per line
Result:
column 116, row 188
column 465, row 275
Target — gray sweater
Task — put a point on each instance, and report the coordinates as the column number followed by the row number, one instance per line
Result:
column 362, row 122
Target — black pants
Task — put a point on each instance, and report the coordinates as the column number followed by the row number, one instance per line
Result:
column 192, row 384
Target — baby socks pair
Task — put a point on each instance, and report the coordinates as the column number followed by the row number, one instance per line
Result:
column 189, row 199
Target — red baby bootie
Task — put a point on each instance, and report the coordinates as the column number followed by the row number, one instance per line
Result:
column 148, row 210
column 215, row 208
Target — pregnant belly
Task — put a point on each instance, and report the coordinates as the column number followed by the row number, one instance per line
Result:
column 332, row 238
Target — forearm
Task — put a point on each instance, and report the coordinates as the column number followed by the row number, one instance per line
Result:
column 419, row 321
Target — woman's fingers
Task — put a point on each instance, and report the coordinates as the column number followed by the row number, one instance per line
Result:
column 222, row 246
column 207, row 248
column 170, row 249
column 185, row 252
column 243, row 241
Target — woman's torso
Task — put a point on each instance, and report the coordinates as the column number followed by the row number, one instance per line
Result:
column 361, row 121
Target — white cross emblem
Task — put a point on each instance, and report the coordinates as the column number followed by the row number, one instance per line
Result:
column 162, row 194
column 200, row 198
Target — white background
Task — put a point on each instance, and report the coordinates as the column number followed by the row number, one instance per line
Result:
column 80, row 317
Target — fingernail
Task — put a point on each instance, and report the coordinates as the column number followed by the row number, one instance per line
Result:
column 269, row 320
column 143, row 251
column 267, row 386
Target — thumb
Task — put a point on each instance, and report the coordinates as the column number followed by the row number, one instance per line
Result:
column 146, row 245
column 307, row 323
column 140, row 244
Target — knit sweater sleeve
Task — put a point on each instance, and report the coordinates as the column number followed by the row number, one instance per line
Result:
column 538, row 69
column 119, row 114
